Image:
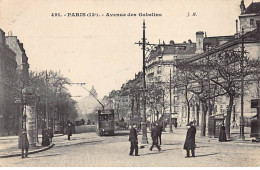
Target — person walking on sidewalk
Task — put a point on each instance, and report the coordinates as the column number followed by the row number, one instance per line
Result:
column 222, row 133
column 154, row 135
column 133, row 140
column 50, row 132
column 24, row 143
column 190, row 140
column 160, row 129
column 69, row 129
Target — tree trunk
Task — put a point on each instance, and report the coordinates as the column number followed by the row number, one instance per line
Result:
column 198, row 114
column 228, row 118
column 203, row 118
column 188, row 105
column 132, row 109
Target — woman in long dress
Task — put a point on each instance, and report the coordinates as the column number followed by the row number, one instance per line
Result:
column 222, row 134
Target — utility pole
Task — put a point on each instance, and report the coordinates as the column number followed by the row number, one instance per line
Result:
column 171, row 101
column 144, row 128
column 242, row 89
column 143, row 123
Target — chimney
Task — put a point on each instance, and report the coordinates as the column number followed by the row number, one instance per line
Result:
column 2, row 37
column 199, row 42
column 236, row 27
column 242, row 7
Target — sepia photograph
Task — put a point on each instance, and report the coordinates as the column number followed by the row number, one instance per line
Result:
column 133, row 83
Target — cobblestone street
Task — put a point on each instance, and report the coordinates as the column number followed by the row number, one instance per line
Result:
column 88, row 149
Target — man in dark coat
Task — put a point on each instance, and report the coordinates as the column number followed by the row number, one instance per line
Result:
column 69, row 129
column 222, row 133
column 160, row 129
column 50, row 132
column 190, row 140
column 133, row 140
column 24, row 143
column 154, row 135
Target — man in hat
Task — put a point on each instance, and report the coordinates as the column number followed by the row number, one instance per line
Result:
column 190, row 140
column 154, row 135
column 24, row 143
column 133, row 140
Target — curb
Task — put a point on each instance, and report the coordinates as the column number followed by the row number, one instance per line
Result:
column 58, row 135
column 30, row 152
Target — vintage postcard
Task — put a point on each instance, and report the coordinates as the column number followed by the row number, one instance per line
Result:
column 133, row 83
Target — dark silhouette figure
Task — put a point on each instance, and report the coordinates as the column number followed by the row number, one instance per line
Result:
column 24, row 143
column 69, row 129
column 159, row 129
column 154, row 135
column 222, row 134
column 175, row 124
column 45, row 137
column 50, row 132
column 190, row 140
column 134, row 141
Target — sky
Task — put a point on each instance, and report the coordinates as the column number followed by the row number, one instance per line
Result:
column 101, row 51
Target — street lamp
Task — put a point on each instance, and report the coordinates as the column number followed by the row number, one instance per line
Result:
column 242, row 89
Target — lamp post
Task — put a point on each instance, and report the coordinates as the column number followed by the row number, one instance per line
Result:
column 144, row 128
column 143, row 123
column 242, row 89
column 171, row 101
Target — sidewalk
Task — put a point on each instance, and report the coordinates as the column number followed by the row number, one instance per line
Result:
column 180, row 133
column 8, row 144
column 9, row 147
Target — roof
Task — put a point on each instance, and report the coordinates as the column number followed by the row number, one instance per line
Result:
column 253, row 8
column 249, row 37
column 179, row 49
column 216, row 41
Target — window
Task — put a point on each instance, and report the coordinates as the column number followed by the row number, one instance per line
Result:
column 251, row 21
column 175, row 109
column 159, row 70
column 175, row 99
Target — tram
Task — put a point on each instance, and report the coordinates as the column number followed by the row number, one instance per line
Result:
column 105, row 124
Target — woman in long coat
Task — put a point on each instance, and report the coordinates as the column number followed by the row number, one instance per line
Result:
column 24, row 143
column 190, row 140
column 222, row 134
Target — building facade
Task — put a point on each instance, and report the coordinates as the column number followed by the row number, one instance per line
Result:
column 8, row 89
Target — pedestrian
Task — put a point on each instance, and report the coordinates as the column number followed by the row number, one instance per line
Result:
column 175, row 124
column 160, row 129
column 154, row 135
column 50, row 132
column 69, row 129
column 24, row 143
column 134, row 141
column 45, row 137
column 222, row 133
column 190, row 140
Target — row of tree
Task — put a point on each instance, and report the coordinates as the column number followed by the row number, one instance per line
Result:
column 219, row 73
column 54, row 102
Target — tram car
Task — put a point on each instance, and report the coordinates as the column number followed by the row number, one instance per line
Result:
column 105, row 122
